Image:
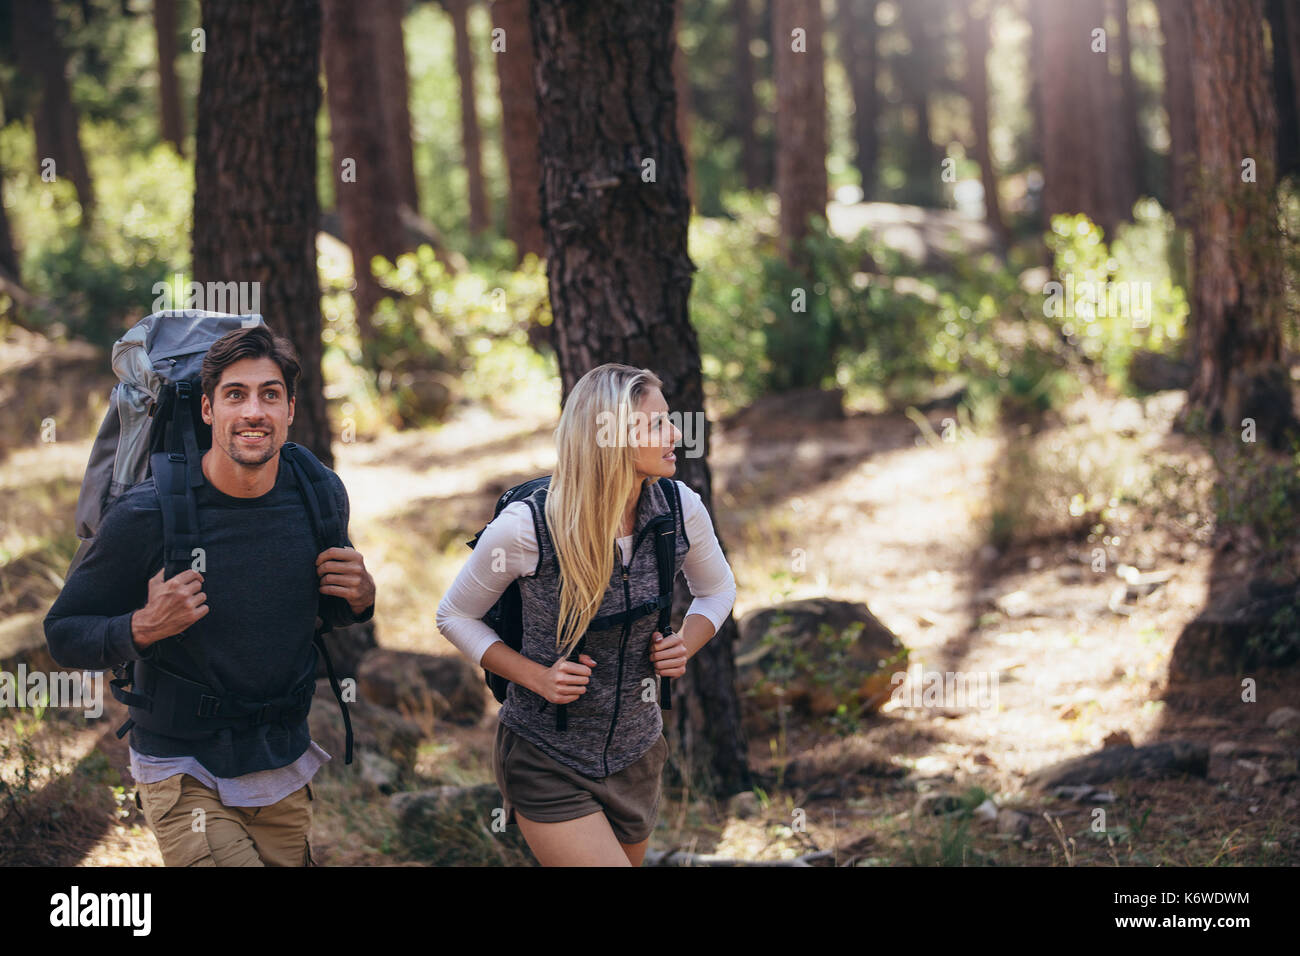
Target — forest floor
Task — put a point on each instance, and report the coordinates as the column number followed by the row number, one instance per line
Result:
column 887, row 513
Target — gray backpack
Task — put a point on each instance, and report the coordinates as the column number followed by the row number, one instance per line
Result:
column 159, row 352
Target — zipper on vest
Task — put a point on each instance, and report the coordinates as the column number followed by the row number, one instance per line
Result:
column 622, row 645
column 618, row 686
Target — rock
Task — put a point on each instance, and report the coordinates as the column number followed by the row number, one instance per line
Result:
column 440, row 807
column 1069, row 574
column 815, row 655
column 987, row 811
column 375, row 729
column 1217, row 641
column 1171, row 758
column 347, row 645
column 1014, row 823
column 446, row 687
column 1153, row 372
column 934, row 804
column 1084, row 793
column 1117, row 738
column 1284, row 718
column 744, row 806
column 378, row 770
column 809, row 404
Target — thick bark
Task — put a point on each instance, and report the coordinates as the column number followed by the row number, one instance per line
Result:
column 1078, row 165
column 746, row 107
column 620, row 276
column 367, row 206
column 518, row 91
column 800, row 118
column 1176, row 25
column 977, row 92
column 54, row 117
column 255, row 205
column 1284, row 23
column 169, row 97
column 857, row 39
column 1237, row 297
column 394, row 98
column 470, row 138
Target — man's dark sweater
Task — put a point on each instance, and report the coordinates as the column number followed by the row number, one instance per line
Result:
column 262, row 593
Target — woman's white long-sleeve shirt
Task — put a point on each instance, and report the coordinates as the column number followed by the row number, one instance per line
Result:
column 508, row 550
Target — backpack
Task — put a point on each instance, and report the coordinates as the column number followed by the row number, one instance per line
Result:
column 505, row 617
column 154, row 427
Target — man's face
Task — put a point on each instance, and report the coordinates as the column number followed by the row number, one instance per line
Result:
column 249, row 412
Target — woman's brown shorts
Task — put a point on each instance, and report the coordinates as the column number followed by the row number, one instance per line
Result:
column 546, row 791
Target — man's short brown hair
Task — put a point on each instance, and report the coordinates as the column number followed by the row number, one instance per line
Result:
column 254, row 342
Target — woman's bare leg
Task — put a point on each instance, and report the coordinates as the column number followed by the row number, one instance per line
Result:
column 635, row 851
column 586, row 841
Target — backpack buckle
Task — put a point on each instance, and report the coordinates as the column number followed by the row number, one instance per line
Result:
column 209, row 706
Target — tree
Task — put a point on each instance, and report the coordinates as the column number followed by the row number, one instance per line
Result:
column 917, row 77
column 255, row 205
column 1082, row 169
column 54, row 117
column 800, row 117
column 169, row 97
column 394, row 98
column 1284, row 24
column 1237, row 296
column 518, row 91
column 746, row 109
column 1127, row 117
column 615, row 214
column 857, row 39
column 1176, row 53
column 365, row 187
column 682, row 80
column 977, row 93
column 470, row 138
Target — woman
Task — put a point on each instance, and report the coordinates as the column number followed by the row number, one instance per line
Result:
column 588, row 795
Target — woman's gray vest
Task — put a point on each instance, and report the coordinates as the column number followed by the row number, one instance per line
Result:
column 617, row 720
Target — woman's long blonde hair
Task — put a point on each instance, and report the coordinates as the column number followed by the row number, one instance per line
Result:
column 593, row 480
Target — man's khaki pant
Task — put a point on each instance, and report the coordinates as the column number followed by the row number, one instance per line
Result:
column 194, row 828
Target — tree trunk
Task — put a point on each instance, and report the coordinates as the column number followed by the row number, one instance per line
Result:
column 682, row 83
column 746, row 108
column 800, row 118
column 1129, row 158
column 977, row 92
column 620, row 276
column 1075, row 83
column 916, row 76
column 518, row 91
column 1284, row 23
column 255, row 204
column 54, row 117
column 1176, row 25
column 367, row 205
column 169, row 97
column 1237, row 297
column 394, row 98
column 470, row 138
column 857, row 39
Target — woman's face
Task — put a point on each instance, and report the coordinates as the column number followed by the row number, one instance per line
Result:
column 653, row 438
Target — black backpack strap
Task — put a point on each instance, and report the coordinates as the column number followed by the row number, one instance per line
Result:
column 665, row 556
column 327, row 525
column 173, row 478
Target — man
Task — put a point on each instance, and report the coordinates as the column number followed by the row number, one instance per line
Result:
column 239, row 795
